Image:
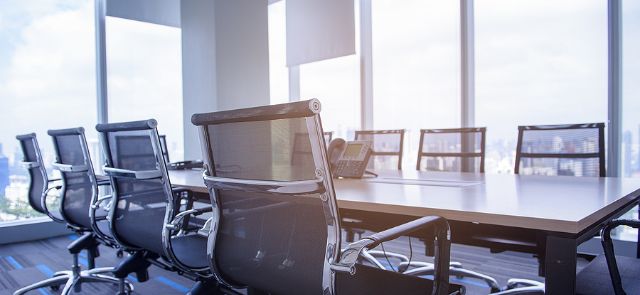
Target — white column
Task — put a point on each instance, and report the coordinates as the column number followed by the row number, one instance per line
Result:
column 467, row 50
column 366, row 66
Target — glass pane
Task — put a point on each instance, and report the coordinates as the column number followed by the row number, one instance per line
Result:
column 630, row 103
column 47, row 81
column 145, row 74
column 278, row 71
column 416, row 67
column 336, row 83
column 538, row 62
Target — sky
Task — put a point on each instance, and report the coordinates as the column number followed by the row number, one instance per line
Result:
column 47, row 72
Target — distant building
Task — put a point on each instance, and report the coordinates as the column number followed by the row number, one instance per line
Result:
column 4, row 172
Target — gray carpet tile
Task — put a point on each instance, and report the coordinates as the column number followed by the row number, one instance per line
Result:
column 26, row 263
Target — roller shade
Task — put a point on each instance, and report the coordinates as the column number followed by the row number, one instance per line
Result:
column 161, row 12
column 319, row 29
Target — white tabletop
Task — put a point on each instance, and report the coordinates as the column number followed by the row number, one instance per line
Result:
column 562, row 203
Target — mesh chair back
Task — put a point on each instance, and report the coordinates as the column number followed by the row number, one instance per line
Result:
column 386, row 147
column 277, row 218
column 455, row 150
column 38, row 180
column 141, row 187
column 79, row 187
column 576, row 150
column 165, row 148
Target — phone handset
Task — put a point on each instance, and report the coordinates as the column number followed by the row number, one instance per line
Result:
column 349, row 159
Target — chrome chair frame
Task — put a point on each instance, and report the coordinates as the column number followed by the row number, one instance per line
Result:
column 173, row 218
column 335, row 260
column 462, row 154
column 74, row 278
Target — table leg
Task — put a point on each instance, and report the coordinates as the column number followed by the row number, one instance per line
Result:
column 560, row 266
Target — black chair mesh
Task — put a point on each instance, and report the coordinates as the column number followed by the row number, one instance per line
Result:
column 78, row 187
column 452, row 150
column 386, row 148
column 268, row 241
column 140, row 210
column 38, row 175
column 552, row 151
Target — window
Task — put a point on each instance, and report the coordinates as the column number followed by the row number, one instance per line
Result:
column 144, row 73
column 416, row 68
column 630, row 89
column 336, row 83
column 47, row 81
column 630, row 145
column 538, row 62
column 278, row 71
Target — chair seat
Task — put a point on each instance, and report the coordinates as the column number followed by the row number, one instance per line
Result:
column 595, row 279
column 191, row 250
column 370, row 280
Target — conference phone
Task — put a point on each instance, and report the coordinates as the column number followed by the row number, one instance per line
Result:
column 349, row 159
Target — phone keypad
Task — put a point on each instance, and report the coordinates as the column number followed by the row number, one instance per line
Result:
column 350, row 168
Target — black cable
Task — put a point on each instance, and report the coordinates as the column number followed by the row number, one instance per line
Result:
column 410, row 254
column 387, row 258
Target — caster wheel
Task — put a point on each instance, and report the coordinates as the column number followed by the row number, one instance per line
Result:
column 120, row 254
column 459, row 277
column 55, row 288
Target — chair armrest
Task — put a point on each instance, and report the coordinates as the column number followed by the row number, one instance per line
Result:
column 407, row 228
column 609, row 254
column 605, row 232
column 29, row 165
column 70, row 168
column 174, row 224
column 440, row 227
column 100, row 200
column 144, row 174
column 43, row 202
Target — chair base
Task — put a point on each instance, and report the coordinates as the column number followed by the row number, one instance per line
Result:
column 73, row 280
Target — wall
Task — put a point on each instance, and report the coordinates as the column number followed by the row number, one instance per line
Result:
column 225, row 63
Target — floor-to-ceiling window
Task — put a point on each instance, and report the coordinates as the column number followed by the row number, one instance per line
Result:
column 537, row 62
column 278, row 71
column 336, row 83
column 416, row 67
column 144, row 77
column 47, row 81
column 630, row 144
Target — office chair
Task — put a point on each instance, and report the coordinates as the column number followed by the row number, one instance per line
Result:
column 608, row 273
column 575, row 150
column 386, row 145
column 39, row 182
column 149, row 218
column 459, row 150
column 278, row 229
column 79, row 188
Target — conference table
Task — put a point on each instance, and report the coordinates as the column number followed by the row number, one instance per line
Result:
column 545, row 215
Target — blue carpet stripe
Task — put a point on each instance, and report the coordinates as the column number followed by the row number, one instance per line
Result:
column 72, row 237
column 13, row 262
column 45, row 270
column 132, row 278
column 44, row 291
column 172, row 284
